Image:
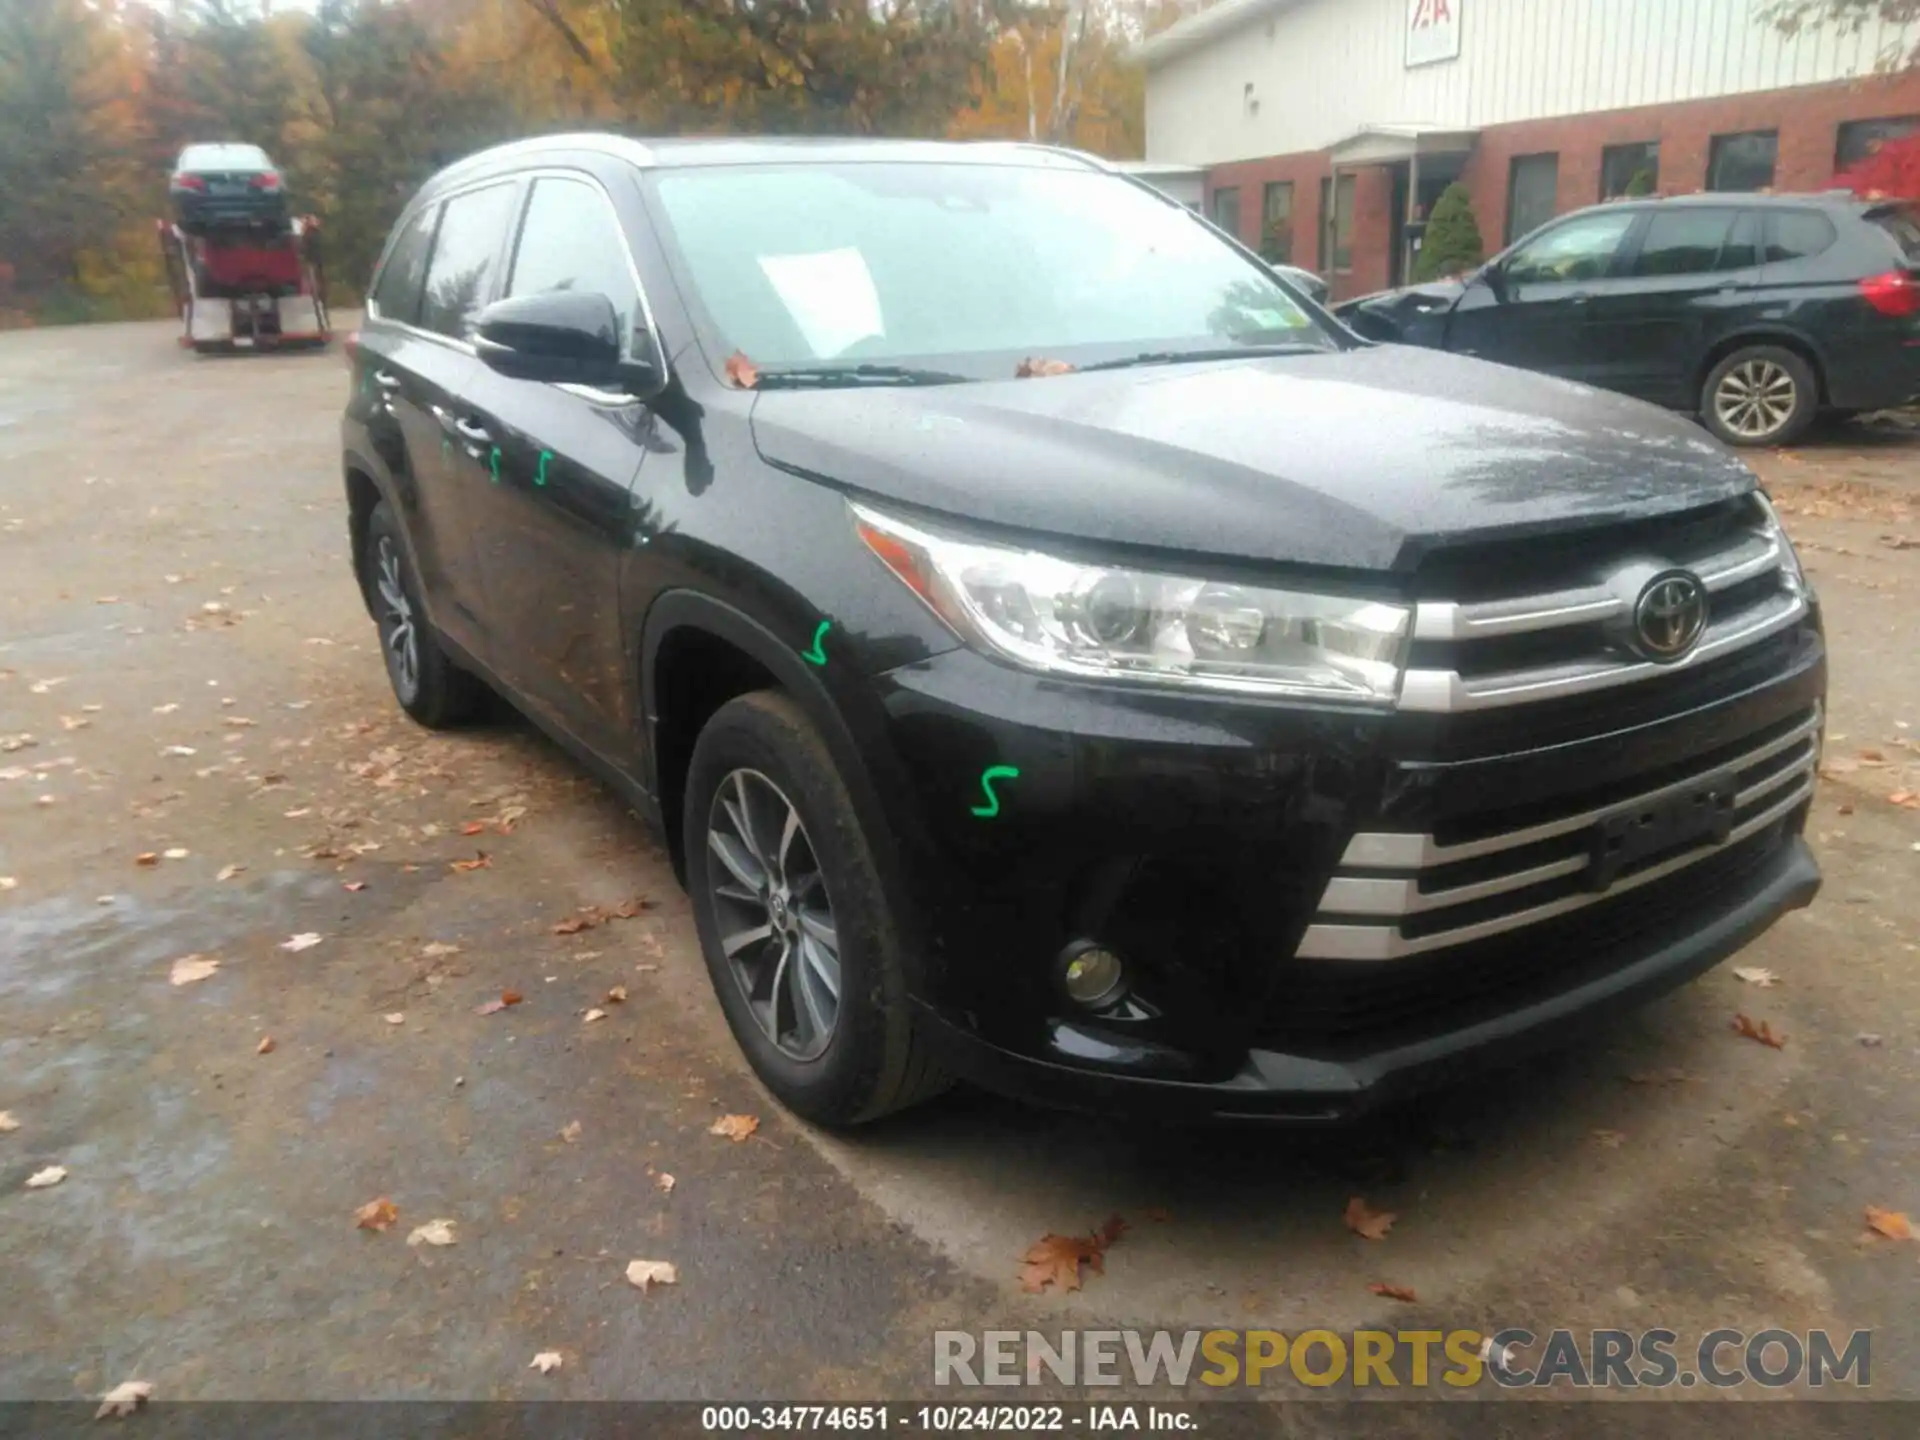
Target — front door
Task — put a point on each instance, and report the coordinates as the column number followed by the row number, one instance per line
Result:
column 1534, row 306
column 557, row 514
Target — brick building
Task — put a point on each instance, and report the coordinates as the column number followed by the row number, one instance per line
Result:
column 1325, row 128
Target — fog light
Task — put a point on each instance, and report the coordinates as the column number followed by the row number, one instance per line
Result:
column 1091, row 975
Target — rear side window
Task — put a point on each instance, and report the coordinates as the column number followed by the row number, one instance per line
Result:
column 570, row 241
column 1902, row 223
column 1687, row 242
column 396, row 294
column 1797, row 235
column 466, row 252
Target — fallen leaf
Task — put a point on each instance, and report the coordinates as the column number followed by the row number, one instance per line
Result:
column 1394, row 1292
column 741, row 373
column 395, row 1018
column 1744, row 1027
column 123, row 1399
column 41, row 1179
column 353, row 886
column 434, row 1232
column 617, row 995
column 189, row 968
column 480, row 861
column 376, row 1214
column 178, row 852
column 575, row 925
column 227, row 872
column 179, row 750
column 74, row 722
column 593, row 1015
column 1756, row 975
column 1868, row 1039
column 1905, row 799
column 570, row 1131
column 7, row 882
column 494, row 1007
column 473, row 827
column 166, row 709
column 435, row 949
column 306, row 940
column 265, row 1047
column 648, row 1273
column 1871, row 757
column 546, row 1362
column 7, row 1122
column 1033, row 366
column 735, row 1127
column 511, row 997
column 1056, row 1259
column 628, row 909
column 1900, row 542
column 1366, row 1222
column 664, row 1183
column 147, row 857
column 1889, row 1224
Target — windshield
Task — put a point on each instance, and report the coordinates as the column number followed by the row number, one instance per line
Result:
column 970, row 268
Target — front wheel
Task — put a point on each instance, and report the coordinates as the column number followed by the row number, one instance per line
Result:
column 1760, row 395
column 799, row 938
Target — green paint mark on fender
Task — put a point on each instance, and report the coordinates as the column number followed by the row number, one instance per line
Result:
column 987, row 777
column 816, row 654
column 541, row 478
column 446, row 447
column 493, row 463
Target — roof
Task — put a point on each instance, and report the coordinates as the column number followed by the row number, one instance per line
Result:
column 1197, row 30
column 1832, row 199
column 1372, row 144
column 675, row 152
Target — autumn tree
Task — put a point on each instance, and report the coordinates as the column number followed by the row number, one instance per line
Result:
column 1892, row 171
column 1059, row 75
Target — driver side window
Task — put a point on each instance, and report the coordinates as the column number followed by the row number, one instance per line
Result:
column 1581, row 249
column 570, row 240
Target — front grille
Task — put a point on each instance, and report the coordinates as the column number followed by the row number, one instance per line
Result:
column 1526, row 624
column 1400, row 894
column 1334, row 1009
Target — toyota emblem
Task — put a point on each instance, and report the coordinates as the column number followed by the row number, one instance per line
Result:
column 1670, row 615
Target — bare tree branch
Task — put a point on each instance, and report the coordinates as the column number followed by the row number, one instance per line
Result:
column 549, row 10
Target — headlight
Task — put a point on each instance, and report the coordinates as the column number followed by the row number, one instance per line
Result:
column 1116, row 623
column 1777, row 532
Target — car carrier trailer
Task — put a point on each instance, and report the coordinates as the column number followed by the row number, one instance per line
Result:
column 248, row 288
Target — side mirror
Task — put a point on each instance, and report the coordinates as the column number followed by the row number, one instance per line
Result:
column 561, row 337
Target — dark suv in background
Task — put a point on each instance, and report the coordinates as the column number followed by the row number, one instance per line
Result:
column 1054, row 653
column 1756, row 312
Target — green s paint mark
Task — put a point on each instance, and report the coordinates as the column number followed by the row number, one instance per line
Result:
column 987, row 777
column 817, row 655
column 493, row 463
column 541, row 478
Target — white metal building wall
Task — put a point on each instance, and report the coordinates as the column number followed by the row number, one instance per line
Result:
column 1322, row 69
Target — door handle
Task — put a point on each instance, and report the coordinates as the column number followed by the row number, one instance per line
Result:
column 1579, row 297
column 388, row 382
column 473, row 432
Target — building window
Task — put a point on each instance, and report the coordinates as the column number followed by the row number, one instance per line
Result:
column 1336, row 224
column 1743, row 162
column 1630, row 170
column 1276, row 222
column 1226, row 210
column 1533, row 188
column 1860, row 138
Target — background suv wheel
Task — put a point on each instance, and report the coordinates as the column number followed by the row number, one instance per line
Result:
column 794, row 922
column 426, row 682
column 1760, row 395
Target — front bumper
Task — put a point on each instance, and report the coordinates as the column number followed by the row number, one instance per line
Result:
column 1198, row 837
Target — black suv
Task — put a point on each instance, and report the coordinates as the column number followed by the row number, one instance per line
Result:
column 1054, row 651
column 1755, row 311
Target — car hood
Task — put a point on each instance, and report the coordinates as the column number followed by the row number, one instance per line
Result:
column 1362, row 459
column 1432, row 295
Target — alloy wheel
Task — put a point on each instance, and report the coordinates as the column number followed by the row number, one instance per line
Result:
column 1756, row 399
column 773, row 915
column 399, row 635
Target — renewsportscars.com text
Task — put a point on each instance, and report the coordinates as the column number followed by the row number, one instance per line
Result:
column 1414, row 1359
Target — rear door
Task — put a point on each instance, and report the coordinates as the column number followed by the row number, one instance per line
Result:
column 403, row 378
column 1534, row 310
column 552, row 527
column 1689, row 278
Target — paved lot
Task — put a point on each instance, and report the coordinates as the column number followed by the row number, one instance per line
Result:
column 180, row 638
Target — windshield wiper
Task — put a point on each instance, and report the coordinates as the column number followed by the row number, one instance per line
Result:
column 1182, row 357
column 822, row 375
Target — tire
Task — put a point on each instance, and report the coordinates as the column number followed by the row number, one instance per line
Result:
column 1760, row 395
column 432, row 689
column 757, row 754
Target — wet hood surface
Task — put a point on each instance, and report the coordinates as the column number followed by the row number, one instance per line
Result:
column 1364, row 459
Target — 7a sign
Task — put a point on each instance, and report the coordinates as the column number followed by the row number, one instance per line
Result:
column 1433, row 31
